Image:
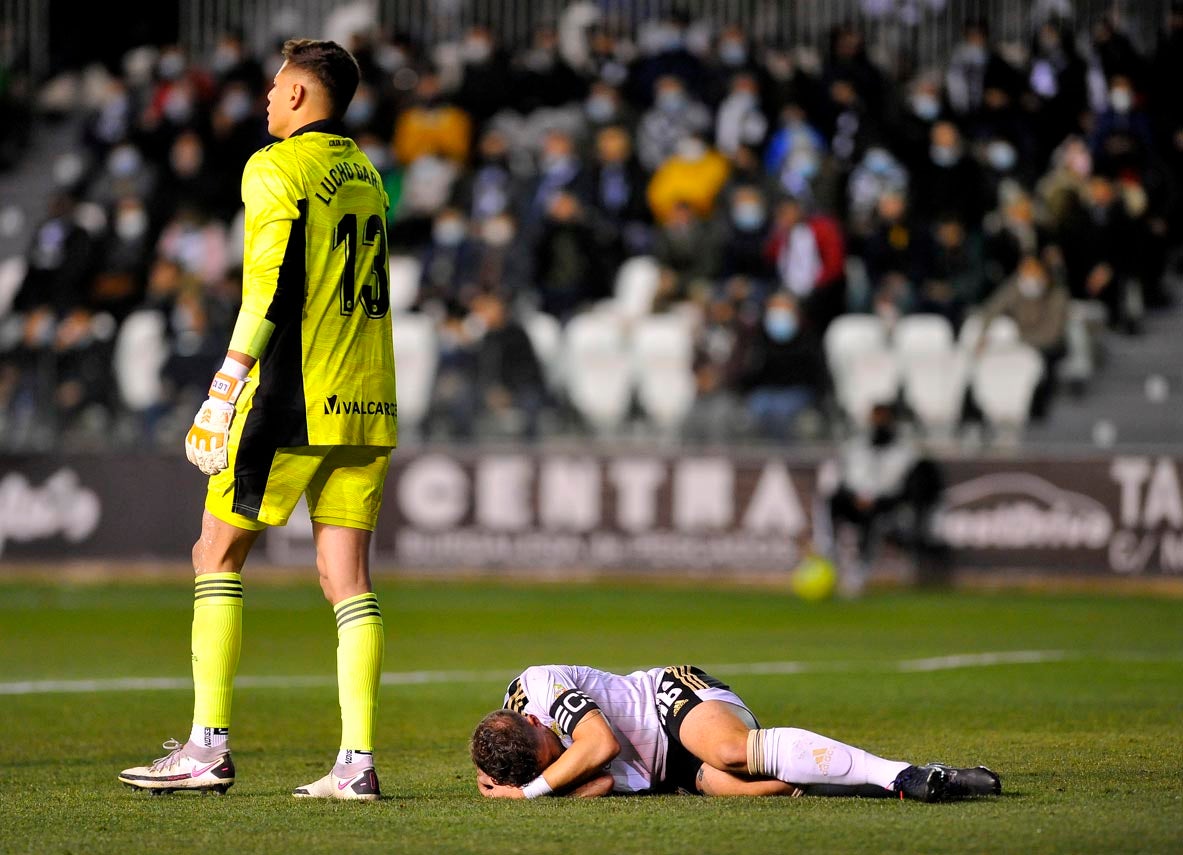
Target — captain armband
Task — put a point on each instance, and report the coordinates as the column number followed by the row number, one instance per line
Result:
column 251, row 334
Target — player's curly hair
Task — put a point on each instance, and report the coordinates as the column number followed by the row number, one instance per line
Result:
column 332, row 66
column 505, row 747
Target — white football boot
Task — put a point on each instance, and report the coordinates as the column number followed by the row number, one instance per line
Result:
column 185, row 767
column 360, row 786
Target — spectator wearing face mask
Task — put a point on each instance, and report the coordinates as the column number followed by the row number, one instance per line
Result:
column 950, row 270
column 541, row 77
column 489, row 187
column 922, row 107
column 448, row 261
column 125, row 172
column 509, row 377
column 568, row 270
column 1101, row 242
column 999, row 158
column 1037, row 302
column 1058, row 85
column 1065, row 182
column 1012, row 232
column 748, row 223
column 784, row 374
column 605, row 108
column 689, row 247
column 949, row 180
column 975, row 68
column 894, row 253
column 740, row 120
column 1121, row 137
column 485, row 79
column 796, row 154
column 809, row 253
column 501, row 262
column 693, row 175
column 122, row 259
column 193, row 181
column 560, row 169
column 673, row 117
column 877, row 174
column 622, row 219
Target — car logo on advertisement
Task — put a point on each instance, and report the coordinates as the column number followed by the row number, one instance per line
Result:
column 1017, row 510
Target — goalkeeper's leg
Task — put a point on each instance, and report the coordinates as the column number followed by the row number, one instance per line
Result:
column 343, row 561
column 203, row 762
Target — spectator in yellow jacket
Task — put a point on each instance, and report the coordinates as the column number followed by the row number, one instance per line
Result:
column 432, row 127
column 694, row 175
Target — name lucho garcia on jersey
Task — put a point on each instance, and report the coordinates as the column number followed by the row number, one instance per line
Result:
column 334, row 406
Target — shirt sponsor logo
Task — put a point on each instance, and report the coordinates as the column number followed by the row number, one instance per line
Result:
column 336, row 406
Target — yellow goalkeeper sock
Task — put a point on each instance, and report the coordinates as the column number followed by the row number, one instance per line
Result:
column 217, row 641
column 360, row 644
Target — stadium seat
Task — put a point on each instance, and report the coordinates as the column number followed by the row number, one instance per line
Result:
column 1003, row 330
column 922, row 337
column 416, row 356
column 934, row 390
column 871, row 377
column 663, row 355
column 846, row 338
column 1004, row 379
column 140, row 353
column 636, row 285
column 12, row 276
column 546, row 336
column 405, row 272
column 597, row 367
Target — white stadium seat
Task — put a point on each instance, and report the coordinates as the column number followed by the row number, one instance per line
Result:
column 922, row 337
column 405, row 272
column 934, row 389
column 416, row 355
column 848, row 338
column 1004, row 379
column 140, row 353
column 871, row 377
column 12, row 276
column 597, row 367
column 546, row 337
column 636, row 286
column 1003, row 331
column 663, row 359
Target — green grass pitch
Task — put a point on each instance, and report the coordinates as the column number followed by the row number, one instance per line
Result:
column 1088, row 735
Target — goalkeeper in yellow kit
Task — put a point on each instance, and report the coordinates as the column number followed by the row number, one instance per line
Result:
column 303, row 405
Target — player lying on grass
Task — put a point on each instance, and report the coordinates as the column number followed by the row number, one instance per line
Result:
column 577, row 731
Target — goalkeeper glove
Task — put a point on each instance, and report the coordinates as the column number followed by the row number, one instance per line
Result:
column 205, row 444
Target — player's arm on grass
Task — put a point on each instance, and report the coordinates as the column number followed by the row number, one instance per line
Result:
column 272, row 215
column 593, row 747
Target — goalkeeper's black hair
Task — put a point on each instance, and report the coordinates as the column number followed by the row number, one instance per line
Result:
column 332, row 66
column 505, row 747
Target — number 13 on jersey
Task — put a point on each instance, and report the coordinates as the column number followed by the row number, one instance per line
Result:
column 375, row 289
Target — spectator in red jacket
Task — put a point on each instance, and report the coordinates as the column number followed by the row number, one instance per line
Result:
column 809, row 253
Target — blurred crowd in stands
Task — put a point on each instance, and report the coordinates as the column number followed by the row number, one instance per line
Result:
column 776, row 187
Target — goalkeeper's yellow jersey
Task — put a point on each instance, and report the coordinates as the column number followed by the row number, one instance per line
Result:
column 315, row 265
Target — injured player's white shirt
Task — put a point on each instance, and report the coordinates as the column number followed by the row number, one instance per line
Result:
column 561, row 695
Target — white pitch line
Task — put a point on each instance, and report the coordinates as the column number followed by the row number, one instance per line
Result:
column 414, row 678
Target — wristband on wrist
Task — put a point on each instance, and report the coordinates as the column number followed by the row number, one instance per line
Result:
column 537, row 787
column 229, row 381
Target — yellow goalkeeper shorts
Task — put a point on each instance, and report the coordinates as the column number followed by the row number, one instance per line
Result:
column 343, row 484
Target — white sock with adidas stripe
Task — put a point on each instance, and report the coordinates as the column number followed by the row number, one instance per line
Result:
column 798, row 756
